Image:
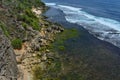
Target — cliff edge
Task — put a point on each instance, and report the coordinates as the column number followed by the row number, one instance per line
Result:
column 8, row 65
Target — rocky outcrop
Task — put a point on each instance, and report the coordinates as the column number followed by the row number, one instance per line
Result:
column 35, row 52
column 8, row 65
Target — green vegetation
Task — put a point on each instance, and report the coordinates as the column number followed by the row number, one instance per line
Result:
column 37, row 73
column 15, row 13
column 24, row 25
column 3, row 27
column 53, row 68
column 22, row 11
column 17, row 43
column 62, row 48
column 62, row 37
column 54, row 65
column 30, row 3
column 30, row 19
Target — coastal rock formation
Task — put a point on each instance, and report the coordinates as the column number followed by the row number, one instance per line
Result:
column 35, row 52
column 8, row 65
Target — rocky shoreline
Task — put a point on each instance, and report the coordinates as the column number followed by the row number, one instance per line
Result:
column 30, row 40
column 87, row 57
column 30, row 55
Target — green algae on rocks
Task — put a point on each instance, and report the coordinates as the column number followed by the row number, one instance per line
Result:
column 58, row 44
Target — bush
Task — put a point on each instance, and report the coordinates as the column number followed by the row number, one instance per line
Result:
column 17, row 43
column 24, row 25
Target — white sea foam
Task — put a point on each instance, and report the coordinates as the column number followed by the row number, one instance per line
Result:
column 50, row 4
column 104, row 21
column 105, row 28
column 70, row 8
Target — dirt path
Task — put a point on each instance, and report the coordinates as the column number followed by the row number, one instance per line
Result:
column 23, row 73
column 21, row 55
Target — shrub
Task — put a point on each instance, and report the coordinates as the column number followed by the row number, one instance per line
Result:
column 17, row 43
column 24, row 25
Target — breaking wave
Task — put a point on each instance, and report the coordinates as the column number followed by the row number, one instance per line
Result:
column 103, row 28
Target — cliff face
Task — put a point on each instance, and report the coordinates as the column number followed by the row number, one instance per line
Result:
column 8, row 65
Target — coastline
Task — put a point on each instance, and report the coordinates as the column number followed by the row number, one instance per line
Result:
column 58, row 17
column 87, row 49
column 50, row 48
column 103, row 28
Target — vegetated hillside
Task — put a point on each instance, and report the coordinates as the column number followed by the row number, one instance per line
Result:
column 16, row 16
column 30, row 35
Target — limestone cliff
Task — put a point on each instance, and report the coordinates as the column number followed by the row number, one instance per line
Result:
column 8, row 65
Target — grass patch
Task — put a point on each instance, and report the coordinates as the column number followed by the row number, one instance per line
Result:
column 17, row 43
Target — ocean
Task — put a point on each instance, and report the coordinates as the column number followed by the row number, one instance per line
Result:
column 100, row 17
column 92, row 55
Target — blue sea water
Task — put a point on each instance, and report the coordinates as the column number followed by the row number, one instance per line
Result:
column 100, row 17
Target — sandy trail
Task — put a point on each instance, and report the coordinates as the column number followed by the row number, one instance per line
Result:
column 23, row 73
